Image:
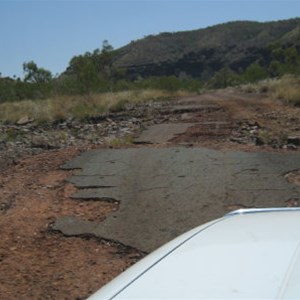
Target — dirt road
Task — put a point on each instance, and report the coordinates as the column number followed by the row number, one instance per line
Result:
column 245, row 148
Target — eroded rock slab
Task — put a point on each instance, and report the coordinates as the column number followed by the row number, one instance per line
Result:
column 165, row 192
column 162, row 133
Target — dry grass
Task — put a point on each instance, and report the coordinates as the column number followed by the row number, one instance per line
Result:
column 286, row 89
column 79, row 107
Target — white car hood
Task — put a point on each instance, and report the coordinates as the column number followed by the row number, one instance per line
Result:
column 241, row 256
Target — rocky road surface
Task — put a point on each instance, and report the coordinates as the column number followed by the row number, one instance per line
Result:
column 131, row 181
column 165, row 192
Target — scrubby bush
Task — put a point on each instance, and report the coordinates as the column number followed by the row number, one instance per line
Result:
column 286, row 89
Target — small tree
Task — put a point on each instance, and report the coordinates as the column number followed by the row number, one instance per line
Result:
column 224, row 78
column 85, row 72
column 106, row 47
column 255, row 72
column 34, row 74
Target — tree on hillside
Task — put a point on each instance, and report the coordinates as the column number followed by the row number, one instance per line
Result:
column 106, row 47
column 94, row 71
column 224, row 78
column 255, row 72
column 104, row 59
column 284, row 60
column 34, row 74
column 85, row 72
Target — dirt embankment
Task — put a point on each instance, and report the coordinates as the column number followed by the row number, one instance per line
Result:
column 37, row 263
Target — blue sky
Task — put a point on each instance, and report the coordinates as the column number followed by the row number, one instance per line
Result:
column 52, row 32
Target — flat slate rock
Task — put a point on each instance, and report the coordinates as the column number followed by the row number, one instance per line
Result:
column 162, row 133
column 164, row 192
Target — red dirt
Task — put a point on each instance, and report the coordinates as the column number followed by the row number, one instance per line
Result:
column 37, row 263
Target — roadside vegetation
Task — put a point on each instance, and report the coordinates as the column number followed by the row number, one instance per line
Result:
column 285, row 88
column 92, row 85
column 60, row 108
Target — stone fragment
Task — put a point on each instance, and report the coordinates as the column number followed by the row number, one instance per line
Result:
column 294, row 140
column 25, row 120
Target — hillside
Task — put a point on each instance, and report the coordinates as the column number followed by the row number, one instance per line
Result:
column 200, row 53
column 224, row 55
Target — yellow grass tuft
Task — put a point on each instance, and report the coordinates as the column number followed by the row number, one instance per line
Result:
column 286, row 89
column 62, row 107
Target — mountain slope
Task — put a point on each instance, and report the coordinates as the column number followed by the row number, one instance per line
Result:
column 200, row 53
